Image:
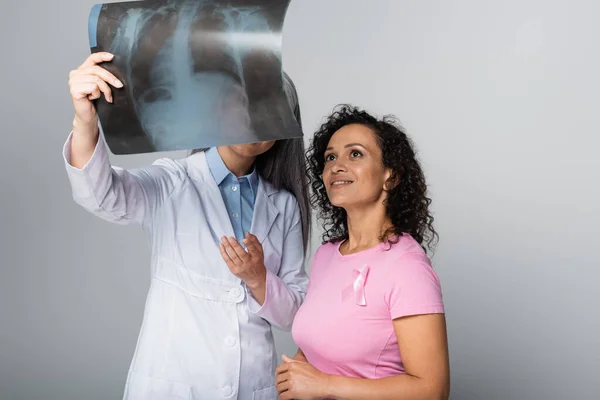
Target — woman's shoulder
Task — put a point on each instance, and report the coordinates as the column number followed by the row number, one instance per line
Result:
column 327, row 248
column 406, row 253
column 406, row 245
column 324, row 251
column 323, row 256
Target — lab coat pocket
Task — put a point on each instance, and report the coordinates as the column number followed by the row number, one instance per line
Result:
column 265, row 394
column 197, row 285
column 141, row 387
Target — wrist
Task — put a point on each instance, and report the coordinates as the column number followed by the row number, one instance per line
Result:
column 327, row 387
column 259, row 283
column 300, row 357
column 85, row 126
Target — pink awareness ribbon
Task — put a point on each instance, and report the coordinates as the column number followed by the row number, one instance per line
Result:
column 359, row 284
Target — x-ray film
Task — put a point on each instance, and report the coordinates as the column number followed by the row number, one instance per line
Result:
column 196, row 73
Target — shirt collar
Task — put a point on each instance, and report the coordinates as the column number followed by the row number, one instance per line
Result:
column 219, row 171
column 216, row 165
column 253, row 180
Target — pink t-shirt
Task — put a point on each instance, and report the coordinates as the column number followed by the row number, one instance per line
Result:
column 340, row 336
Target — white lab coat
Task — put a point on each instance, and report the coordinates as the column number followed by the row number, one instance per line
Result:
column 202, row 336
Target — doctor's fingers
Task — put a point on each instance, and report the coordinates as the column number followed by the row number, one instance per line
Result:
column 97, row 58
column 253, row 243
column 235, row 251
column 98, row 72
column 255, row 251
column 230, row 263
column 90, row 86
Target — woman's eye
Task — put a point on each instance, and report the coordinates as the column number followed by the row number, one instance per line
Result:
column 329, row 157
column 356, row 153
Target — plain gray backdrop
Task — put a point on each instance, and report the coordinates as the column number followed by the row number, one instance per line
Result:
column 501, row 99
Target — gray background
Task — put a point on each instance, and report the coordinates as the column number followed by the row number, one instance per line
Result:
column 501, row 99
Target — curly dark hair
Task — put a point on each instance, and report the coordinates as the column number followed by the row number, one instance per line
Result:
column 407, row 204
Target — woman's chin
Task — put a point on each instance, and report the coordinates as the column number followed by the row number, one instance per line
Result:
column 339, row 201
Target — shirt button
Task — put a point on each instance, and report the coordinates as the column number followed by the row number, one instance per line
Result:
column 235, row 215
column 230, row 341
column 227, row 391
column 234, row 188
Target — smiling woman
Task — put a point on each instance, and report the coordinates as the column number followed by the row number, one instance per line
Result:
column 366, row 140
column 372, row 325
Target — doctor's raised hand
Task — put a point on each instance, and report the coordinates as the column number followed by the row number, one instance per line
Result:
column 89, row 82
column 86, row 83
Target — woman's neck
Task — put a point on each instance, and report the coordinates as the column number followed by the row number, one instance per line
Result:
column 366, row 226
column 239, row 165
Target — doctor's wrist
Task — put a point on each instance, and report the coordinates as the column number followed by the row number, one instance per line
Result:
column 257, row 284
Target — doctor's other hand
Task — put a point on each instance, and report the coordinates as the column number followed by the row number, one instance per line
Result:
column 89, row 82
column 249, row 265
column 299, row 380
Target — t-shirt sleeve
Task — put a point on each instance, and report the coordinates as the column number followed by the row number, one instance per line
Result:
column 415, row 288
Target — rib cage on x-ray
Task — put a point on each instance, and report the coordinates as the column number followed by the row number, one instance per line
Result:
column 201, row 69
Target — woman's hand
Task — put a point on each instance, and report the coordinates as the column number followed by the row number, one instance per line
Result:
column 300, row 356
column 299, row 380
column 89, row 82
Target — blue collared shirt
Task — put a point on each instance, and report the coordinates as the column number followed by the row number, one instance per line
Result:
column 239, row 194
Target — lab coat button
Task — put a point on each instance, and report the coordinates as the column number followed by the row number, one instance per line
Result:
column 230, row 341
column 227, row 391
column 236, row 292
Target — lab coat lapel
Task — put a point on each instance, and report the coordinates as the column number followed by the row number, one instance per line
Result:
column 216, row 212
column 265, row 211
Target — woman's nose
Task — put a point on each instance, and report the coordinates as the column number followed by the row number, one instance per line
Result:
column 338, row 166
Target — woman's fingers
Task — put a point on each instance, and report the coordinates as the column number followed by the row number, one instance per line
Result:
column 282, row 377
column 282, row 387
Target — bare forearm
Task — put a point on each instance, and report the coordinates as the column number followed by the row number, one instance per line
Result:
column 258, row 288
column 401, row 387
column 85, row 138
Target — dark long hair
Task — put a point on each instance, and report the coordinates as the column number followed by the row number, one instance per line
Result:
column 284, row 165
column 407, row 204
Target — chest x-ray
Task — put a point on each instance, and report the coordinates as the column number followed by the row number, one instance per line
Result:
column 196, row 73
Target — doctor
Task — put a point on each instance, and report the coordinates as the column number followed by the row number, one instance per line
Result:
column 206, row 331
